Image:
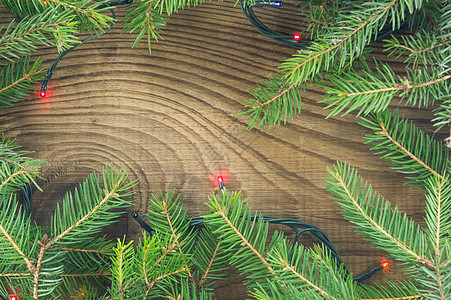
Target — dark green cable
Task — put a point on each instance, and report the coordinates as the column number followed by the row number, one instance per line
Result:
column 52, row 68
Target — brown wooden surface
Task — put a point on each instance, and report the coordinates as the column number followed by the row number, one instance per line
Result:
column 171, row 120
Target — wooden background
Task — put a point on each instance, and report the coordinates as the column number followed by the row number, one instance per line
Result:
column 171, row 120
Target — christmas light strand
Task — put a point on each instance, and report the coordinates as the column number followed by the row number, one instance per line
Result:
column 298, row 228
column 49, row 74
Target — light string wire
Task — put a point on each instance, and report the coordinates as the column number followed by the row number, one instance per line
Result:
column 49, row 74
column 248, row 11
column 297, row 41
column 296, row 225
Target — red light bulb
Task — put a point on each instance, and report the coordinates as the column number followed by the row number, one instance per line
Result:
column 385, row 264
column 13, row 296
column 43, row 94
column 297, row 36
column 221, row 183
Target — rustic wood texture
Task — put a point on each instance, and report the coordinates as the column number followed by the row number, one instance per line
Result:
column 171, row 120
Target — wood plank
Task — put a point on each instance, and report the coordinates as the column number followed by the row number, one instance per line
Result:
column 171, row 120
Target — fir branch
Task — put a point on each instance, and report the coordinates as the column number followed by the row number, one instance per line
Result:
column 150, row 284
column 400, row 87
column 210, row 257
column 67, row 227
column 245, row 242
column 176, row 241
column 108, row 196
column 155, row 280
column 405, row 151
column 244, row 234
column 421, row 51
column 322, row 55
column 18, row 80
column 36, row 271
column 122, row 267
column 143, row 17
column 87, row 13
column 285, row 105
column 374, row 217
column 302, row 278
column 30, row 265
column 40, row 29
column 11, row 177
column 100, row 273
column 373, row 93
column 438, row 212
column 408, row 149
column 213, row 257
column 25, row 169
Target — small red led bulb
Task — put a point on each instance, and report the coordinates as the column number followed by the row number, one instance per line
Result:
column 385, row 264
column 297, row 36
column 43, row 94
column 221, row 183
column 13, row 296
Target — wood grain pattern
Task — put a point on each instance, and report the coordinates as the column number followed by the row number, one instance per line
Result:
column 170, row 120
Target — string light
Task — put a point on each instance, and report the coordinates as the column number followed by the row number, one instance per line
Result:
column 142, row 223
column 296, row 40
column 285, row 39
column 221, row 183
column 297, row 36
column 13, row 296
column 49, row 74
column 297, row 226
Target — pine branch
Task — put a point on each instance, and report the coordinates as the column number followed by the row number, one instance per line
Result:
column 409, row 150
column 165, row 212
column 210, row 258
column 169, row 218
column 18, row 80
column 387, row 228
column 15, row 233
column 210, row 264
column 373, row 93
column 68, row 227
column 88, row 13
column 51, row 27
column 313, row 267
column 350, row 37
column 122, row 269
column 172, row 6
column 286, row 104
column 438, row 212
column 143, row 17
column 220, row 207
column 273, row 269
column 421, row 48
